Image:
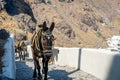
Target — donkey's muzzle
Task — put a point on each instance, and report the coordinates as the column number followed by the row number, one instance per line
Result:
column 48, row 52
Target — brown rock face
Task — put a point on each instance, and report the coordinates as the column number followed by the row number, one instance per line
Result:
column 80, row 23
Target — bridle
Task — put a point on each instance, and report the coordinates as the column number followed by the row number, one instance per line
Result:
column 47, row 40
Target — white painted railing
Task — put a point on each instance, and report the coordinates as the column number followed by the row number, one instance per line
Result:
column 101, row 63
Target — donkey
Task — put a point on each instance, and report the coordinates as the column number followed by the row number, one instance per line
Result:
column 21, row 49
column 42, row 45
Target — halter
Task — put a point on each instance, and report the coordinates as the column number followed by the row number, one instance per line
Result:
column 47, row 40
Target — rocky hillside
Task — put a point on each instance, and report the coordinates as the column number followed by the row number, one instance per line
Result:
column 81, row 23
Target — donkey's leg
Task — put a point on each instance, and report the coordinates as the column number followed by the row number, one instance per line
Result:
column 38, row 68
column 34, row 72
column 46, row 67
column 20, row 55
column 35, row 68
column 43, row 65
column 23, row 55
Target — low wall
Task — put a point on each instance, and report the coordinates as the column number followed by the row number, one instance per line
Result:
column 68, row 56
column 29, row 51
column 101, row 63
column 9, row 60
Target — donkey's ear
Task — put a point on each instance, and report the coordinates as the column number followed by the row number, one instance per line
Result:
column 52, row 26
column 45, row 26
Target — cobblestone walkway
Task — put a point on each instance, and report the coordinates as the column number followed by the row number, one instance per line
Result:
column 24, row 71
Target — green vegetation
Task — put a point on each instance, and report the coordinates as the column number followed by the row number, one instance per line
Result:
column 99, row 34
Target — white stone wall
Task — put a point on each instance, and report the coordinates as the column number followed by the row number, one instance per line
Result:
column 67, row 56
column 9, row 69
column 101, row 63
column 29, row 51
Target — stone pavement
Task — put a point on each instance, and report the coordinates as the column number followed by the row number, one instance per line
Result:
column 24, row 71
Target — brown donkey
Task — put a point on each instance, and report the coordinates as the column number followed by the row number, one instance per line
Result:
column 21, row 49
column 42, row 45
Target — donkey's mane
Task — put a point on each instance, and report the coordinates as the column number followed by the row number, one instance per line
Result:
column 36, row 41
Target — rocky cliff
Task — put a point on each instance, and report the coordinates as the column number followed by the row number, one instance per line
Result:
column 79, row 23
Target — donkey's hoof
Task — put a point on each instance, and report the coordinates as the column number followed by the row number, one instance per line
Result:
column 34, row 78
column 45, row 79
column 39, row 78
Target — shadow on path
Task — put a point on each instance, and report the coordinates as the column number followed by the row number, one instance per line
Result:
column 58, row 75
column 62, row 74
column 23, row 71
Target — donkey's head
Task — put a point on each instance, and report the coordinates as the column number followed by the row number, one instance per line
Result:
column 47, row 37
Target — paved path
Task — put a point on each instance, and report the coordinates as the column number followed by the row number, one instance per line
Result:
column 24, row 71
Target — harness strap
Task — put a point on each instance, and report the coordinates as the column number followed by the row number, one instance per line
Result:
column 48, row 52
